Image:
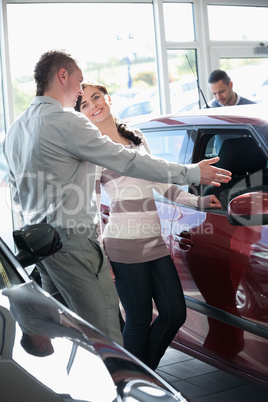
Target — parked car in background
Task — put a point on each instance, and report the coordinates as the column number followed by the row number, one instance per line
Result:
column 184, row 96
column 142, row 102
column 81, row 364
column 132, row 103
column 221, row 255
column 138, row 108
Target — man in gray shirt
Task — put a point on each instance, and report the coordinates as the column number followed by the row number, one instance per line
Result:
column 40, row 318
column 52, row 153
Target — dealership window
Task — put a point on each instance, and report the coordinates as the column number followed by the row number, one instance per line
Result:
column 181, row 61
column 129, row 51
column 179, row 22
column 110, row 46
column 2, row 116
column 249, row 76
column 182, row 68
column 113, row 49
column 241, row 50
column 5, row 210
column 240, row 23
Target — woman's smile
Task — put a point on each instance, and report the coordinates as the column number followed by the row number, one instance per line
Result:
column 98, row 112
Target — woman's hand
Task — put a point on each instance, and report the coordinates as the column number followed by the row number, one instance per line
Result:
column 214, row 202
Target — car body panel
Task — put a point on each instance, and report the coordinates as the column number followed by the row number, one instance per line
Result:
column 223, row 267
column 216, row 283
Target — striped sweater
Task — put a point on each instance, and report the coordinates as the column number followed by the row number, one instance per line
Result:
column 133, row 232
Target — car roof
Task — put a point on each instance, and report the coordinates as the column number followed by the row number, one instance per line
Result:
column 254, row 114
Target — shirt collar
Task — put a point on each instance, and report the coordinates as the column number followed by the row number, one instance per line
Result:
column 237, row 99
column 48, row 100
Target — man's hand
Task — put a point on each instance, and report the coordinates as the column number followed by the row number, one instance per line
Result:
column 211, row 174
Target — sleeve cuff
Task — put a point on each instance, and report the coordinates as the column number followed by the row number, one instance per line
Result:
column 194, row 174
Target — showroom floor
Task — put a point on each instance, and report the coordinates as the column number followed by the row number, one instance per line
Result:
column 200, row 382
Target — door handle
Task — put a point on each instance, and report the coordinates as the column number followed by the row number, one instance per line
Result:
column 184, row 240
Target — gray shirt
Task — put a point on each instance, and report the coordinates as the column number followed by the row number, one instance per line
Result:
column 239, row 101
column 52, row 154
column 38, row 314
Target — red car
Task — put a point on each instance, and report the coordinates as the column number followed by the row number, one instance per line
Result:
column 221, row 254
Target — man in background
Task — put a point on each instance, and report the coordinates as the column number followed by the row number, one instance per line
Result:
column 221, row 87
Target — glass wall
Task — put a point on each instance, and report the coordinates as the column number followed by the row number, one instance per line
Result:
column 239, row 22
column 179, row 23
column 5, row 210
column 140, row 52
column 2, row 115
column 114, row 48
column 249, row 76
column 119, row 49
column 246, row 66
column 182, row 69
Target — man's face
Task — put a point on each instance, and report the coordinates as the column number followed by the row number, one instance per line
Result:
column 222, row 93
column 73, row 87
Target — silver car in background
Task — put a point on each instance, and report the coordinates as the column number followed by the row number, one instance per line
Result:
column 83, row 364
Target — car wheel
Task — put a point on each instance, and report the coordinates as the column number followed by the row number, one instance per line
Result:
column 243, row 298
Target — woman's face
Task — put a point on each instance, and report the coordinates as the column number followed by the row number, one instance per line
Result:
column 95, row 105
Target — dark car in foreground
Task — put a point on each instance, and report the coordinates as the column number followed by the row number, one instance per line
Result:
column 221, row 255
column 77, row 362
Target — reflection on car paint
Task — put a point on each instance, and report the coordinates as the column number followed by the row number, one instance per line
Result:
column 62, row 357
column 221, row 255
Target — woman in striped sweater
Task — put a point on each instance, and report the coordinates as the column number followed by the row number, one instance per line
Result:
column 143, row 268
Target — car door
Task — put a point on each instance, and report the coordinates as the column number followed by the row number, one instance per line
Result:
column 224, row 268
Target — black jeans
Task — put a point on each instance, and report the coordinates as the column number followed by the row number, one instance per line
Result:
column 138, row 285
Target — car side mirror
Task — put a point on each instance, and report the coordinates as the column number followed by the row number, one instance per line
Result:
column 250, row 209
column 35, row 242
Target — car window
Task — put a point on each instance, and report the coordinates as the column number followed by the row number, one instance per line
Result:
column 240, row 153
column 215, row 142
column 186, row 153
column 136, row 110
column 167, row 144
